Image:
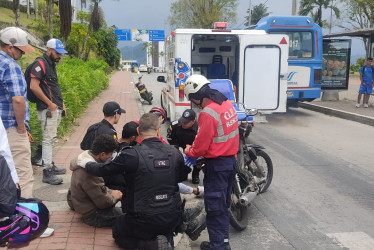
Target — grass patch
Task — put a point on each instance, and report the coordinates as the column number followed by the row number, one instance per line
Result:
column 7, row 16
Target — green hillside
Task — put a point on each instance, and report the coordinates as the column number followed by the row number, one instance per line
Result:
column 7, row 16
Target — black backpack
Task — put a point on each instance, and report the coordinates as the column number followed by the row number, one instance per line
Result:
column 90, row 136
column 30, row 95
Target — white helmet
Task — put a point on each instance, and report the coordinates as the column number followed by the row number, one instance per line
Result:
column 193, row 84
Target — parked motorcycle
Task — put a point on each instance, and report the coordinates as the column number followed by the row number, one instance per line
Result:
column 144, row 93
column 254, row 175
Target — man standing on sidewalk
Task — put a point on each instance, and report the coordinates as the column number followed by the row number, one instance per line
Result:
column 14, row 109
column 50, row 105
column 366, row 87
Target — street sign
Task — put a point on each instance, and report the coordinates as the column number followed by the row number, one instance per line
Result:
column 156, row 35
column 123, row 34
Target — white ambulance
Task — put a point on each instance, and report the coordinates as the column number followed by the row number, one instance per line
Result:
column 254, row 61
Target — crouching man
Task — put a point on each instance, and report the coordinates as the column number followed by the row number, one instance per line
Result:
column 89, row 195
column 152, row 169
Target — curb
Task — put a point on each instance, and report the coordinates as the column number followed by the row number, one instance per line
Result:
column 339, row 113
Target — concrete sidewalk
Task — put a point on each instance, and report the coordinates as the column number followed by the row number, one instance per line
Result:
column 70, row 231
column 345, row 106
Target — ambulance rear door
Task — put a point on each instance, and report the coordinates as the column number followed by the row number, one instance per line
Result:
column 264, row 67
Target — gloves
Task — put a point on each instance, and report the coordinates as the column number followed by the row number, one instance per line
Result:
column 189, row 161
column 82, row 162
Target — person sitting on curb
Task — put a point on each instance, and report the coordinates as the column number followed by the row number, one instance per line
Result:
column 88, row 194
column 366, row 87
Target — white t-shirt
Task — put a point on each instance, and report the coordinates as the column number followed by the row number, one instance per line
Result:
column 5, row 151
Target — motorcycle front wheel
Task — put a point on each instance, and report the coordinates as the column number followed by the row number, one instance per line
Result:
column 238, row 213
column 265, row 161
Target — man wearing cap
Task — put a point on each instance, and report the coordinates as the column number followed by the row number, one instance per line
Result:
column 14, row 109
column 183, row 132
column 50, row 105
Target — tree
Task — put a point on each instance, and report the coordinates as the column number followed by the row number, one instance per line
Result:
column 307, row 7
column 96, row 21
column 16, row 11
column 259, row 11
column 107, row 46
column 65, row 18
column 360, row 15
column 35, row 2
column 201, row 13
column 50, row 21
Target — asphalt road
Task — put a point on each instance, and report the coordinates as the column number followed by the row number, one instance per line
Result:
column 321, row 196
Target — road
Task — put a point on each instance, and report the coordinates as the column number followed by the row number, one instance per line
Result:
column 321, row 196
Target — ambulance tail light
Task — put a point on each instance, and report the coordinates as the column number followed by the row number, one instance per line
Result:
column 317, row 76
column 220, row 27
column 181, row 91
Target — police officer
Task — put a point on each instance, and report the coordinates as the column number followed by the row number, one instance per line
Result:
column 183, row 132
column 152, row 170
column 217, row 140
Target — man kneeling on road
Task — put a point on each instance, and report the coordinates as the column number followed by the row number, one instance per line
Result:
column 89, row 195
column 153, row 205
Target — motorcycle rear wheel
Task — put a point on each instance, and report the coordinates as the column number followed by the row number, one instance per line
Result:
column 238, row 213
column 267, row 164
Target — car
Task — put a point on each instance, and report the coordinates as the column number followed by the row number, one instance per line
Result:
column 142, row 68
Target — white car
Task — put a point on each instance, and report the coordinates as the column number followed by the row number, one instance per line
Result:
column 142, row 68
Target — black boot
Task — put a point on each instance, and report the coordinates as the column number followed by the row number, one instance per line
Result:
column 195, row 175
column 205, row 245
column 50, row 178
column 56, row 170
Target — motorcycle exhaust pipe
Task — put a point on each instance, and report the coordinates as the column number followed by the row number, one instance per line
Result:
column 246, row 198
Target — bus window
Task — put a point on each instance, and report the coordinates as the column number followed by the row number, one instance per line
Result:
column 301, row 44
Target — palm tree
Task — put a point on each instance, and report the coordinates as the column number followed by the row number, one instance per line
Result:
column 35, row 2
column 65, row 18
column 16, row 11
column 308, row 7
column 259, row 11
column 96, row 21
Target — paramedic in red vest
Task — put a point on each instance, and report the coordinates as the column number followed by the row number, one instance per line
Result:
column 217, row 140
column 50, row 105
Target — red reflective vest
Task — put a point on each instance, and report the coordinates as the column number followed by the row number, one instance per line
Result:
column 218, row 131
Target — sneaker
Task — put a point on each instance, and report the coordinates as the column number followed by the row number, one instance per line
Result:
column 366, row 105
column 57, row 170
column 205, row 245
column 50, row 178
column 357, row 105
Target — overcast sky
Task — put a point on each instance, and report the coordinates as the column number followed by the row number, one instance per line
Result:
column 153, row 14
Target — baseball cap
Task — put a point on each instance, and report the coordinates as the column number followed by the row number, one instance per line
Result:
column 16, row 37
column 187, row 116
column 56, row 45
column 112, row 108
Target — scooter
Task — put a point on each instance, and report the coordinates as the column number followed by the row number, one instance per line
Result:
column 144, row 93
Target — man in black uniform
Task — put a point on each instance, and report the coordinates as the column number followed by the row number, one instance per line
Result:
column 183, row 132
column 152, row 170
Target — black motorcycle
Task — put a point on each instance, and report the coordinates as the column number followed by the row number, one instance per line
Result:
column 254, row 175
column 144, row 93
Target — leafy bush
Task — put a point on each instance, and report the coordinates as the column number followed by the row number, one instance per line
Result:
column 80, row 83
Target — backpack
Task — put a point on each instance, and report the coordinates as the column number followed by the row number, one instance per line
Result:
column 30, row 95
column 364, row 67
column 90, row 136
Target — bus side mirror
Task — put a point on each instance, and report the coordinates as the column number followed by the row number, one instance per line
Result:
column 161, row 79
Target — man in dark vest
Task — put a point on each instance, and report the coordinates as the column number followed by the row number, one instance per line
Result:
column 152, row 170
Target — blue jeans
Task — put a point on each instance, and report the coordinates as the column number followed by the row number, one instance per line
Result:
column 218, row 180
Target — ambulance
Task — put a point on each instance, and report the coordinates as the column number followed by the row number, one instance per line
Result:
column 252, row 61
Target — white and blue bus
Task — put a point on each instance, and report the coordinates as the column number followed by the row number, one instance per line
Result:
column 304, row 57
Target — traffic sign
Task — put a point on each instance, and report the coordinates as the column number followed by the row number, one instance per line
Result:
column 156, row 35
column 123, row 34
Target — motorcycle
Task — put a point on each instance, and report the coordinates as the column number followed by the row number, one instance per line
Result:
column 254, row 174
column 144, row 93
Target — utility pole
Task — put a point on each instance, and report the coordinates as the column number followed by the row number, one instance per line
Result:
column 294, row 7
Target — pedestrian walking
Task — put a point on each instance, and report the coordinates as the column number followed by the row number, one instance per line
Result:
column 14, row 109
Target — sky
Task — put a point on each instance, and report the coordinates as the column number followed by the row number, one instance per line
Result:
column 153, row 14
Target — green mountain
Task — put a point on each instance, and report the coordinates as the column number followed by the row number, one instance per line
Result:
column 134, row 53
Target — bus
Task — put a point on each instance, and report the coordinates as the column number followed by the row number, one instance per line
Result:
column 254, row 62
column 304, row 56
